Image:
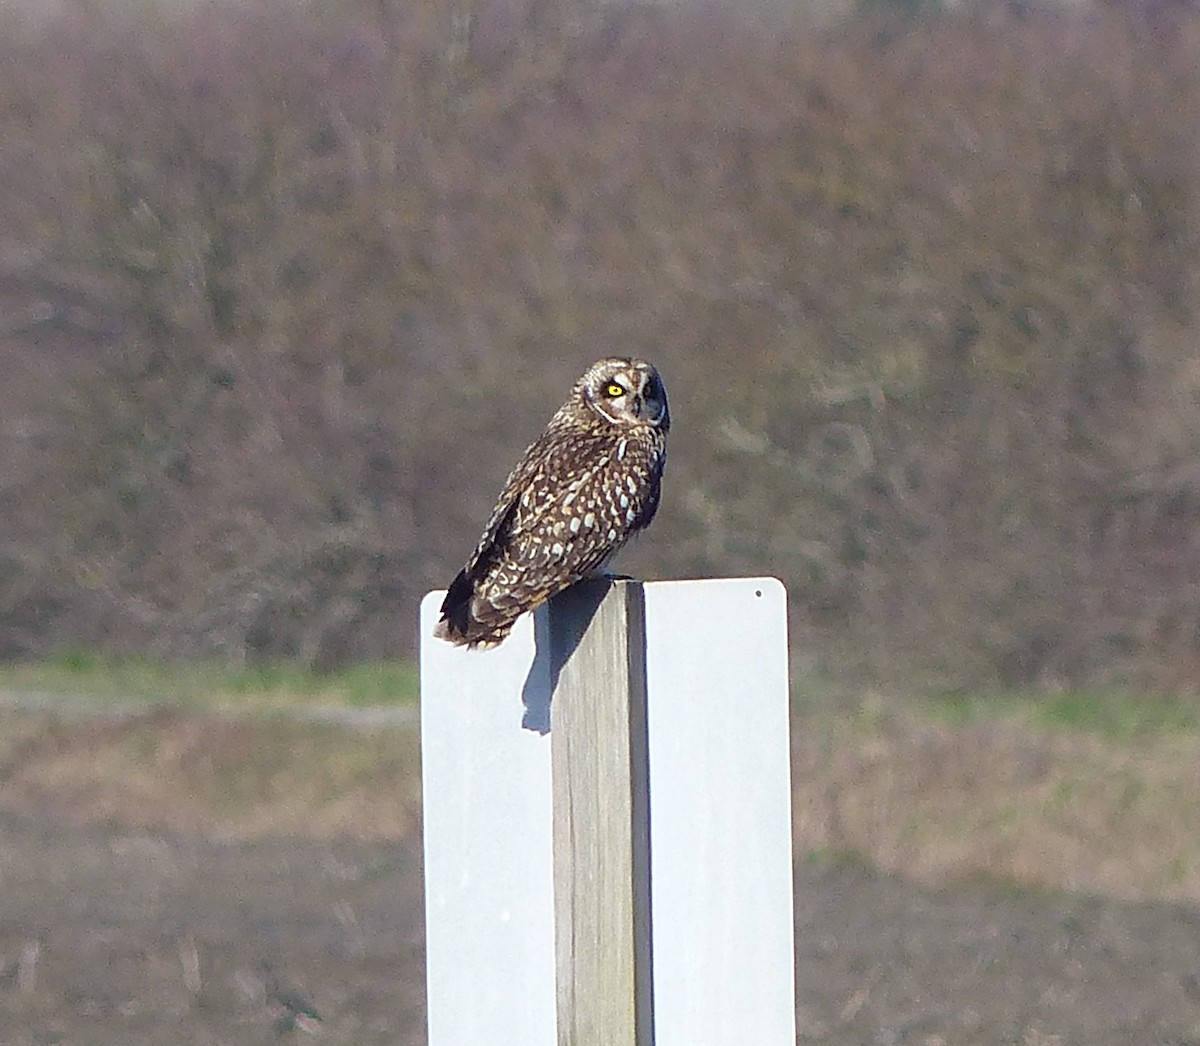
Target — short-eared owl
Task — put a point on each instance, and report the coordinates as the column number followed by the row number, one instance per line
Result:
column 581, row 490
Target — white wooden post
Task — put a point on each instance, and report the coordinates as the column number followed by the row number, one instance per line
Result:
column 714, row 794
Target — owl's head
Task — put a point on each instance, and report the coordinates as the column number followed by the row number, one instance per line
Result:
column 625, row 391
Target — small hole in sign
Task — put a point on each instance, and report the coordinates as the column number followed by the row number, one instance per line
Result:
column 758, row 593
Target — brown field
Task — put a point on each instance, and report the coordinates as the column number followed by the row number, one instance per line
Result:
column 171, row 878
column 284, row 290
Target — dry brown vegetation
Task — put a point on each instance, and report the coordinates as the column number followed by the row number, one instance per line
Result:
column 285, row 288
column 1002, row 798
column 881, row 782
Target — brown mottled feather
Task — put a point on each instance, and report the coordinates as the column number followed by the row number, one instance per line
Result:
column 582, row 489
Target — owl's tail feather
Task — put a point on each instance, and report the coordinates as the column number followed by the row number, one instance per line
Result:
column 456, row 610
column 460, row 625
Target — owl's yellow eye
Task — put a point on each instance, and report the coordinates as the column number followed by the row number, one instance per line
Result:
column 614, row 390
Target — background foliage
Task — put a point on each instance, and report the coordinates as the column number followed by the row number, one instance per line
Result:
column 285, row 288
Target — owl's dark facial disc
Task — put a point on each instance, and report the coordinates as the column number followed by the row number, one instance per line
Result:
column 652, row 400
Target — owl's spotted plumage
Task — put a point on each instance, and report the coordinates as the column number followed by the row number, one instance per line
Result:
column 582, row 489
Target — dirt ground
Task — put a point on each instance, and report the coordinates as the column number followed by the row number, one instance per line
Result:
column 171, row 879
column 113, row 938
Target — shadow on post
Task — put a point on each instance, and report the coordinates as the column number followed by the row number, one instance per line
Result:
column 557, row 633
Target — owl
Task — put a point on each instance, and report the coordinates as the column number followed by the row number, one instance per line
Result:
column 586, row 485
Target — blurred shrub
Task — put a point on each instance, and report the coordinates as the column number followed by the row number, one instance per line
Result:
column 290, row 286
